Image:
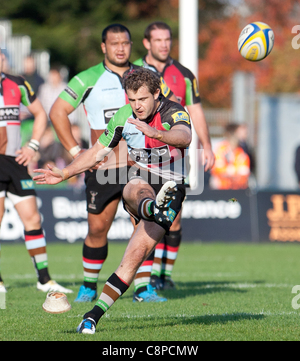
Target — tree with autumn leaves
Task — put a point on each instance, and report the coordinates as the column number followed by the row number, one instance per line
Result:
column 71, row 31
column 277, row 73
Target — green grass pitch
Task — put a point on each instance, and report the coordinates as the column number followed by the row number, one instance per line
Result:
column 224, row 292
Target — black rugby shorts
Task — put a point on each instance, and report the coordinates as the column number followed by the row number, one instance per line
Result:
column 14, row 178
column 156, row 183
column 98, row 195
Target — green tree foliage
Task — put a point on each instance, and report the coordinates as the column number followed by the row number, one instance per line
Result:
column 71, row 29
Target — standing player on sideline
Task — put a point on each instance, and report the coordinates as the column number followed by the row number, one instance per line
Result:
column 100, row 90
column 15, row 182
column 156, row 131
column 158, row 40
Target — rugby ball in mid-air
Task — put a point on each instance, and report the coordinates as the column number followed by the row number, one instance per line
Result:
column 256, row 41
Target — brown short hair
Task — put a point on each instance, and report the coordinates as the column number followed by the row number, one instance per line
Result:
column 231, row 128
column 142, row 77
column 156, row 25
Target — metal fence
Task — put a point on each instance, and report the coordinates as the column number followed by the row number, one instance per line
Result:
column 217, row 119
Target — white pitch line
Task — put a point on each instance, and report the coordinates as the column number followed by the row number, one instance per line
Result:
column 247, row 285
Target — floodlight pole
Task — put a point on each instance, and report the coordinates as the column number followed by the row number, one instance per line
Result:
column 188, row 34
column 188, row 56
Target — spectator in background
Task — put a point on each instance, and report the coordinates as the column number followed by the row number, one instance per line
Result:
column 76, row 131
column 5, row 61
column 297, row 164
column 242, row 134
column 51, row 89
column 232, row 166
column 31, row 75
column 51, row 151
column 35, row 80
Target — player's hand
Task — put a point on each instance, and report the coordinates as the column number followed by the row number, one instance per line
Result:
column 25, row 155
column 144, row 127
column 53, row 175
column 209, row 158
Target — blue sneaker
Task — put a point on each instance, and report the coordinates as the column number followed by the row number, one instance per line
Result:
column 148, row 296
column 87, row 326
column 86, row 294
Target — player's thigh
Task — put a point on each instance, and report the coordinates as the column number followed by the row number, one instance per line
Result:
column 101, row 222
column 28, row 212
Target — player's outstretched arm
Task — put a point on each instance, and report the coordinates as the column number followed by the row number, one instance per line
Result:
column 85, row 161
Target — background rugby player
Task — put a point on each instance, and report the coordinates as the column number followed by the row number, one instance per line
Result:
column 158, row 41
column 15, row 182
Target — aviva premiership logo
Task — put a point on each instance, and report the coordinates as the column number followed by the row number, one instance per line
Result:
column 164, row 88
column 196, row 91
column 27, row 184
column 181, row 117
column 29, row 88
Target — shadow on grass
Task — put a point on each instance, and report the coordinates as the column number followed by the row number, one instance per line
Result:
column 222, row 318
column 122, row 324
column 206, row 319
column 186, row 289
column 195, row 288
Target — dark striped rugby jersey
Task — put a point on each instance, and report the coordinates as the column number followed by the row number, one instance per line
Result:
column 179, row 79
column 151, row 154
column 14, row 90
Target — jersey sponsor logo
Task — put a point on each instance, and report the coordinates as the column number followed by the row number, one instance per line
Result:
column 127, row 133
column 181, row 117
column 109, row 113
column 150, row 155
column 9, row 113
column 71, row 92
column 108, row 89
column 27, row 184
column 31, row 92
column 196, row 91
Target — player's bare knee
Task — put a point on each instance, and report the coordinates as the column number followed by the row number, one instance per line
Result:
column 98, row 229
column 136, row 190
column 32, row 221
